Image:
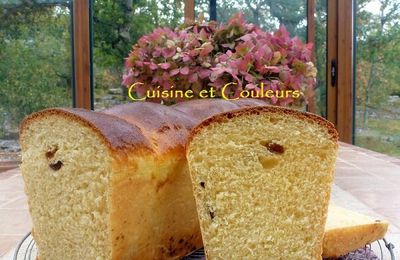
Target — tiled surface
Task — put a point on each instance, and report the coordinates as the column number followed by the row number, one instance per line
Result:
column 366, row 181
column 372, row 178
column 14, row 217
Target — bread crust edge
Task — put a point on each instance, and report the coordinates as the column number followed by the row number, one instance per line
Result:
column 223, row 117
column 335, row 245
column 116, row 133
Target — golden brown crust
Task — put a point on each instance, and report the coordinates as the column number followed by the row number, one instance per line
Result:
column 165, row 127
column 116, row 133
column 152, row 126
column 266, row 109
column 341, row 241
column 346, row 231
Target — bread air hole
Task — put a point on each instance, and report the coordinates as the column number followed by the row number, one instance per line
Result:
column 274, row 120
column 212, row 214
column 322, row 155
column 268, row 162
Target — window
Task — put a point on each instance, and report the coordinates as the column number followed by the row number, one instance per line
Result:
column 377, row 100
column 269, row 15
column 35, row 63
column 39, row 65
column 117, row 26
column 320, row 50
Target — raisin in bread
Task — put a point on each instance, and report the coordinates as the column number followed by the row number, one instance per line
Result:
column 262, row 178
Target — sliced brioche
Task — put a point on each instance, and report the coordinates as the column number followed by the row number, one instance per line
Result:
column 100, row 187
column 346, row 231
column 262, row 179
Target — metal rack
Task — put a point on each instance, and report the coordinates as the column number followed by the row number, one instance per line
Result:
column 26, row 250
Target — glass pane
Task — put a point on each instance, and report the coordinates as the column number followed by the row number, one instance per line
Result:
column 377, row 76
column 320, row 56
column 202, row 7
column 117, row 26
column 35, row 64
column 269, row 15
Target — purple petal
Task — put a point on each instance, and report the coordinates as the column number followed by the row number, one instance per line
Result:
column 174, row 72
column 165, row 65
column 184, row 71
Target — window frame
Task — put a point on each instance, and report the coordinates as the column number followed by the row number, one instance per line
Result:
column 340, row 50
column 82, row 54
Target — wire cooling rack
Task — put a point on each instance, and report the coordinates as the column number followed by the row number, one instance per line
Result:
column 26, row 250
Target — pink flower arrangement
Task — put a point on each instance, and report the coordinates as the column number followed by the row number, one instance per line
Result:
column 205, row 55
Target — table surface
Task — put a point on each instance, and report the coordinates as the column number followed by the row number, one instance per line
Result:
column 366, row 181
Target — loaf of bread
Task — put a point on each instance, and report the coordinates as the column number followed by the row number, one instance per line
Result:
column 347, row 230
column 262, row 178
column 113, row 184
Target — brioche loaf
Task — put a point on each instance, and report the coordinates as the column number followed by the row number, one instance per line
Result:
column 113, row 184
column 346, row 231
column 262, row 178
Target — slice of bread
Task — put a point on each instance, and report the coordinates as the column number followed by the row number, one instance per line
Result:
column 262, row 178
column 346, row 231
column 103, row 187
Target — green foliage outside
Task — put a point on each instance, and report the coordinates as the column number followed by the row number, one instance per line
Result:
column 265, row 13
column 35, row 63
column 35, row 54
column 377, row 76
column 117, row 26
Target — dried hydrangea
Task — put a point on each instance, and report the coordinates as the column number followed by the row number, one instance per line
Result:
column 206, row 55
